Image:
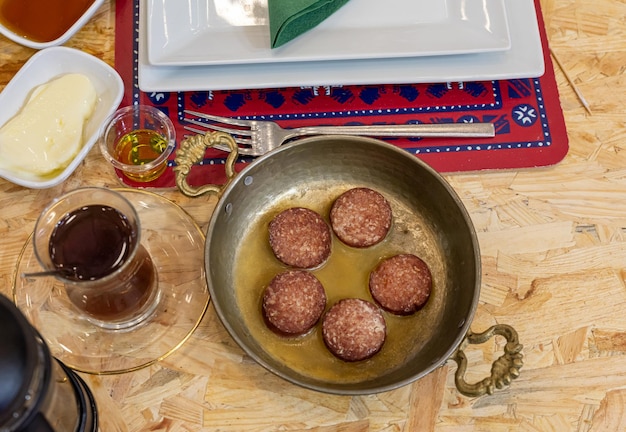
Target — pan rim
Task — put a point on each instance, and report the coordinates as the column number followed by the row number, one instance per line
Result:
column 350, row 388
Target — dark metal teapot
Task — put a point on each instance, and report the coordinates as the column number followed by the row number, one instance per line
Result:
column 37, row 392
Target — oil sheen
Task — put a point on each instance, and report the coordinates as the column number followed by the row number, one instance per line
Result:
column 41, row 20
column 345, row 274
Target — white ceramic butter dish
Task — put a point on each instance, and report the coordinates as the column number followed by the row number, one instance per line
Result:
column 41, row 68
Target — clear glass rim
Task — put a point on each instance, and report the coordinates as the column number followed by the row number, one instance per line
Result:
column 91, row 189
column 137, row 169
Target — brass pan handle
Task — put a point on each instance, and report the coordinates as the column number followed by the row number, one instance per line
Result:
column 191, row 150
column 504, row 370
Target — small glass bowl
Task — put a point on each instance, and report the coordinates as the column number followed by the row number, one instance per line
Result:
column 137, row 140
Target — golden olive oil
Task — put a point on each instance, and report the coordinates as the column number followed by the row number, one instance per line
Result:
column 345, row 274
column 141, row 147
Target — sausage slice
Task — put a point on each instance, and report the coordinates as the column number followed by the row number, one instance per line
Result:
column 401, row 284
column 361, row 217
column 354, row 329
column 293, row 302
column 299, row 237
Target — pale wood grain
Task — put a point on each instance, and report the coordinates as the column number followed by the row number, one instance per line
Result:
column 553, row 244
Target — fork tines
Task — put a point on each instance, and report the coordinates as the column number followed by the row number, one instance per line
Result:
column 240, row 130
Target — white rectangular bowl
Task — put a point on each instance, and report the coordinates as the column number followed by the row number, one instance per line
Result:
column 44, row 66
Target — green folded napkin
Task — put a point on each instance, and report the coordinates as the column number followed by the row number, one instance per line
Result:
column 291, row 18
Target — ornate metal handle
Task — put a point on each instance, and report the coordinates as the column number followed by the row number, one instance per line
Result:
column 504, row 370
column 191, row 150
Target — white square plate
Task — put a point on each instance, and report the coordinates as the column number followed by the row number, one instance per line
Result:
column 42, row 67
column 523, row 60
column 212, row 32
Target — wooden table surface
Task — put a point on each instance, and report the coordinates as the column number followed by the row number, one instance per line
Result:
column 553, row 244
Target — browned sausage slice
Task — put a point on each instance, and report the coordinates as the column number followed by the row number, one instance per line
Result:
column 354, row 329
column 300, row 238
column 401, row 284
column 293, row 302
column 361, row 217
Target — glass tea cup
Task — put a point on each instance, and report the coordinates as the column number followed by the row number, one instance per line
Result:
column 138, row 140
column 90, row 238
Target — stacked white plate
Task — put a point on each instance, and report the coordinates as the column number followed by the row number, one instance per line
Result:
column 225, row 45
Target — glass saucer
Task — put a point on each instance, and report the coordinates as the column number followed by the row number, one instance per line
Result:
column 176, row 245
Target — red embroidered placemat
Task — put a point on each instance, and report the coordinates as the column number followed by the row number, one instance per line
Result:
column 530, row 129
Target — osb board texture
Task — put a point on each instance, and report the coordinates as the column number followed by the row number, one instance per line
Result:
column 553, row 245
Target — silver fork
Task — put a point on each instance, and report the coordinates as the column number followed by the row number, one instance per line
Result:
column 257, row 137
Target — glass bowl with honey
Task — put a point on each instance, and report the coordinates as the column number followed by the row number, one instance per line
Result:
column 137, row 140
column 41, row 24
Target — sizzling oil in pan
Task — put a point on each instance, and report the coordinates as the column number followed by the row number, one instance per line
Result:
column 345, row 274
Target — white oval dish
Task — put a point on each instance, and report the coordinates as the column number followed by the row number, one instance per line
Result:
column 44, row 66
column 80, row 22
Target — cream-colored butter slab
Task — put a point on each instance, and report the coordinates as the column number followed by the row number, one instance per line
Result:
column 47, row 133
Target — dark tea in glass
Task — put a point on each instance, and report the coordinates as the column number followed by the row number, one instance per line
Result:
column 91, row 237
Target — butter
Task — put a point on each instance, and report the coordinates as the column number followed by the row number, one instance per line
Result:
column 47, row 133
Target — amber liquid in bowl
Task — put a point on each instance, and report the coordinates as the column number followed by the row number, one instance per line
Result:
column 141, row 147
column 41, row 20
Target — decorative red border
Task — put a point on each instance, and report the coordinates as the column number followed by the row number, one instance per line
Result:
column 530, row 128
